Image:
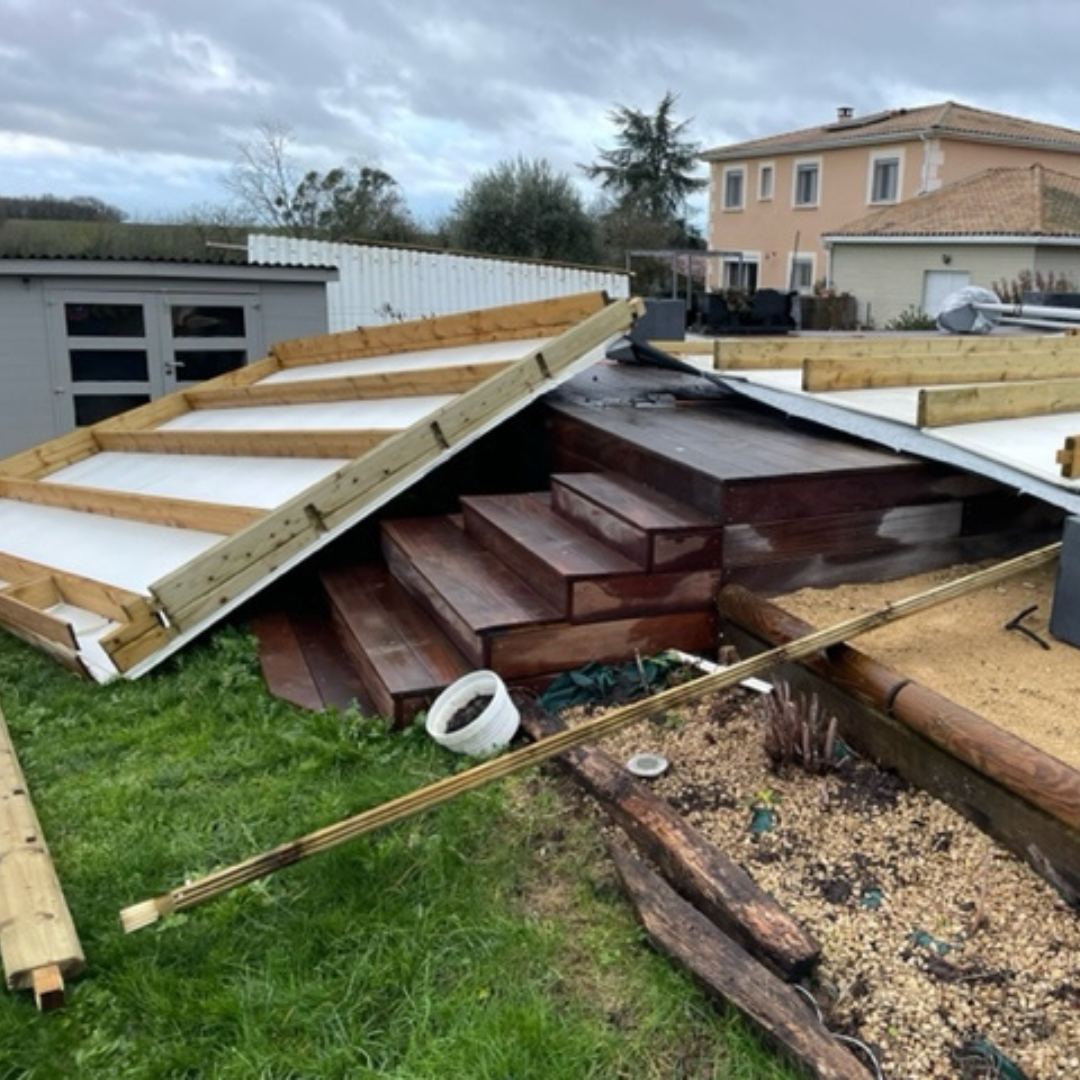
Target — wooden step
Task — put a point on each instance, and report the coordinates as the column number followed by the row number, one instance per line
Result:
column 583, row 578
column 402, row 657
column 302, row 660
column 471, row 594
column 655, row 530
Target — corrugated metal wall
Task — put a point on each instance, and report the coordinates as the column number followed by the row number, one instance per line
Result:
column 381, row 284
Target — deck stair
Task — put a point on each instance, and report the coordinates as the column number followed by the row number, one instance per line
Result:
column 604, row 566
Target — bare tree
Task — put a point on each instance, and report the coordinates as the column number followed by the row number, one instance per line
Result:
column 264, row 177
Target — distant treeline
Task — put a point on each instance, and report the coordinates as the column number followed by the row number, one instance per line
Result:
column 54, row 208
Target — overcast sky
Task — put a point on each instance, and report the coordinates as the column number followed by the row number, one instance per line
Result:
column 141, row 102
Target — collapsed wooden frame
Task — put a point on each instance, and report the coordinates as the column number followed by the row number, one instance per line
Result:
column 431, row 388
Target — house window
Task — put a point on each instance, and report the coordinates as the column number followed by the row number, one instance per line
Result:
column 806, row 183
column 766, row 175
column 741, row 274
column 885, row 180
column 802, row 273
column 733, row 189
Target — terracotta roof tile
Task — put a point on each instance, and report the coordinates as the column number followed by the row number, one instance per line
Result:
column 946, row 119
column 1031, row 201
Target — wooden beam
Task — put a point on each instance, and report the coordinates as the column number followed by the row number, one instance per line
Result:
column 157, row 510
column 301, row 444
column 117, row 604
column 1005, row 401
column 1068, row 457
column 716, row 885
column 543, row 318
column 48, row 457
column 826, row 373
column 726, row 973
column 391, row 384
column 233, row 566
column 38, row 942
column 32, row 624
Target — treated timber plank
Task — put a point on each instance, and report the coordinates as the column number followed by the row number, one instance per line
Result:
column 29, row 622
column 832, row 373
column 1004, row 401
column 158, row 510
column 251, row 556
column 146, row 417
column 419, row 383
column 38, row 941
column 791, row 351
column 1068, row 457
column 118, row 604
column 505, row 323
column 48, row 457
column 309, row 444
column 716, row 885
column 726, row 972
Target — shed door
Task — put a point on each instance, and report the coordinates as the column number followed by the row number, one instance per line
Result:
column 114, row 351
column 938, row 284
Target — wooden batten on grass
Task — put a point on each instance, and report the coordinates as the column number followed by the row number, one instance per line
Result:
column 38, row 942
column 221, row 881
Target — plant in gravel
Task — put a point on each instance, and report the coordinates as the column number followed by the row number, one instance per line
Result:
column 798, row 732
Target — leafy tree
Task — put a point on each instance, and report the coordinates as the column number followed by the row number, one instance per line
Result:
column 344, row 204
column 526, row 209
column 649, row 172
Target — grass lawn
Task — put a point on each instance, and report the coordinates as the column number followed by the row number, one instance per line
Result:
column 484, row 939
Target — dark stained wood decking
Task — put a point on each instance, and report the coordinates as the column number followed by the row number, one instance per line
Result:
column 651, row 507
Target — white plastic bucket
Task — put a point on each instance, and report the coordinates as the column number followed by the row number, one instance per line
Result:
column 490, row 731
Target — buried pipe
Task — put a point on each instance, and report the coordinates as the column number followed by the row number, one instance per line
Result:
column 221, row 881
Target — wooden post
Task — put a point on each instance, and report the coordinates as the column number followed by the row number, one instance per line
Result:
column 700, row 871
column 726, row 972
column 38, row 943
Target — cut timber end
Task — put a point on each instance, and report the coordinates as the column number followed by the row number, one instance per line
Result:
column 38, row 943
column 48, row 987
column 1069, row 458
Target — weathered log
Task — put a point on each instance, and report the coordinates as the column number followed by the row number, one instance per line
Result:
column 1023, row 797
column 718, row 964
column 38, row 942
column 698, row 870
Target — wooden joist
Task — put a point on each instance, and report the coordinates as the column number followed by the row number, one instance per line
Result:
column 38, row 942
column 155, row 509
column 543, row 318
column 1002, row 401
column 30, row 622
column 112, row 601
column 727, row 973
column 391, row 384
column 826, row 373
column 1068, row 457
column 309, row 444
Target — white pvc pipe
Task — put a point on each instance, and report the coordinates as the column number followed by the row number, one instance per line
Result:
column 1035, row 311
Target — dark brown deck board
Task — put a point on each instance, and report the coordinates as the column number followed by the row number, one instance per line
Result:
column 282, row 660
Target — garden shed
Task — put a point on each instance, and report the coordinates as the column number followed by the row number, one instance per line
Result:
column 85, row 339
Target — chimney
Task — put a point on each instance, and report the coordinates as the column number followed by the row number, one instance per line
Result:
column 845, row 112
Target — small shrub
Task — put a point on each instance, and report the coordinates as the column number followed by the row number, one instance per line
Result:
column 798, row 731
column 912, row 318
column 1012, row 292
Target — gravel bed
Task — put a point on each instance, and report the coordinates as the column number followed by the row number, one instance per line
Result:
column 940, row 949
